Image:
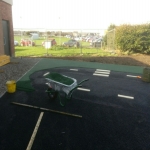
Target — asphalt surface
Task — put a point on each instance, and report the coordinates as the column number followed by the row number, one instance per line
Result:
column 108, row 121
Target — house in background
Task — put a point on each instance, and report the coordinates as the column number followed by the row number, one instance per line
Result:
column 75, row 33
column 6, row 28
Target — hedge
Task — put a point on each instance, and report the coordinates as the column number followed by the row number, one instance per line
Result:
column 133, row 38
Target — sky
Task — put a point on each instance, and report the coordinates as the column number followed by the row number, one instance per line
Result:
column 78, row 14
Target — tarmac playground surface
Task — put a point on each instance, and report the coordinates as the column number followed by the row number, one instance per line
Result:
column 113, row 109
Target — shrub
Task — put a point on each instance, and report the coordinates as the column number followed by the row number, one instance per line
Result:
column 133, row 38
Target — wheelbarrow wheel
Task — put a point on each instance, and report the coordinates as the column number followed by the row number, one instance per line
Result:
column 52, row 93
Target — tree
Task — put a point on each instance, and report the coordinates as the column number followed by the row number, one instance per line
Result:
column 111, row 27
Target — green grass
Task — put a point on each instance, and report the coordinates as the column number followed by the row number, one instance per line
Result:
column 41, row 51
column 58, row 50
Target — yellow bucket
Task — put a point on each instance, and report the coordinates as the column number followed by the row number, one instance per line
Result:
column 11, row 86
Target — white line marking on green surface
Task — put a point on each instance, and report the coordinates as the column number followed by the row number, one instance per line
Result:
column 74, row 69
column 132, row 76
column 124, row 96
column 35, row 131
column 82, row 89
column 102, row 70
column 104, row 75
column 46, row 73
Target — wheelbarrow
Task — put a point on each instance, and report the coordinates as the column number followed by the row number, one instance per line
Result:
column 58, row 84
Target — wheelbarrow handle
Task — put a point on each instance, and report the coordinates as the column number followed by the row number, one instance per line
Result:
column 78, row 85
column 83, row 81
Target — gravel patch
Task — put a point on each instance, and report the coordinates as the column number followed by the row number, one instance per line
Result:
column 15, row 70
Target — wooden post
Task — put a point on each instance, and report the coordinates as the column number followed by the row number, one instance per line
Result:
column 50, row 110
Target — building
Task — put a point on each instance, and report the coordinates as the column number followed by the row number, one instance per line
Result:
column 6, row 28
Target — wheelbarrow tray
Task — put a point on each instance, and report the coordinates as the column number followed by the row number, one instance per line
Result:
column 60, row 82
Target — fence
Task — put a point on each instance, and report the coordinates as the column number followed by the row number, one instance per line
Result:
column 68, row 43
column 111, row 40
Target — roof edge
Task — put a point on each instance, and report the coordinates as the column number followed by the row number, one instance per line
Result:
column 8, row 1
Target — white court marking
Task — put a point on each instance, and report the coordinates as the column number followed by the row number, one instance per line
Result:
column 34, row 132
column 124, row 96
column 74, row 69
column 102, row 72
column 82, row 89
column 46, row 73
column 132, row 76
column 104, row 75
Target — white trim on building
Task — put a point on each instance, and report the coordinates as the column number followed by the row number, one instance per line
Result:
column 8, row 1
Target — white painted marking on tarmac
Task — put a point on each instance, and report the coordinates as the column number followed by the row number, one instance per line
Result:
column 82, row 89
column 124, row 96
column 34, row 132
column 104, row 75
column 102, row 70
column 46, row 73
column 132, row 76
column 74, row 69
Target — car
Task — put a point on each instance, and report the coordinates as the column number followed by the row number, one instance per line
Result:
column 27, row 42
column 94, row 39
column 68, row 36
column 71, row 43
column 16, row 43
column 78, row 38
column 87, row 39
column 84, row 38
column 53, row 42
column 96, row 43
